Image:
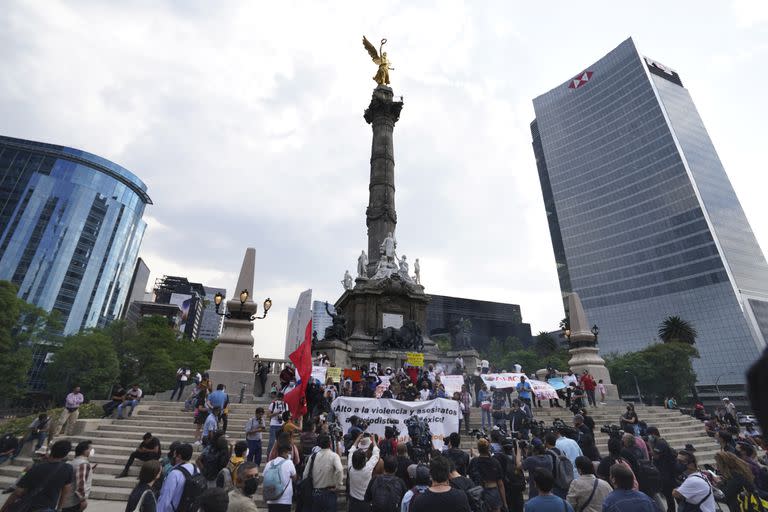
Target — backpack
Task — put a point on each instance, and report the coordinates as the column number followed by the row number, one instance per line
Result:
column 140, row 503
column 210, row 460
column 562, row 469
column 751, row 502
column 475, row 498
column 8, row 442
column 194, row 487
column 273, row 485
column 386, row 494
column 648, row 477
column 416, row 494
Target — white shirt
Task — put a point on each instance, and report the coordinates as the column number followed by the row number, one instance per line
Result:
column 694, row 488
column 570, row 449
column 518, row 368
column 359, row 479
column 287, row 471
column 484, row 364
column 424, row 394
column 567, row 379
column 276, row 406
column 183, row 376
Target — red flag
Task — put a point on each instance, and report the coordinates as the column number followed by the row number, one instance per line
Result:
column 296, row 398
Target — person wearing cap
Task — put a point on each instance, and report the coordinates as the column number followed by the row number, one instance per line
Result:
column 524, row 390
column 695, row 490
column 730, row 412
column 360, row 470
column 419, row 475
column 148, row 449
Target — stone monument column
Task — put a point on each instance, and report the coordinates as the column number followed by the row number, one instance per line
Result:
column 381, row 218
column 232, row 361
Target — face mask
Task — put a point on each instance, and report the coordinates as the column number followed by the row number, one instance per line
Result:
column 652, row 438
column 250, row 486
column 245, row 455
column 681, row 467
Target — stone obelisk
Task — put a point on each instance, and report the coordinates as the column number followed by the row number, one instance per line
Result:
column 380, row 216
column 232, row 361
column 584, row 352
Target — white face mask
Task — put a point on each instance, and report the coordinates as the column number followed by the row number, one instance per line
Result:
column 93, row 452
column 247, row 451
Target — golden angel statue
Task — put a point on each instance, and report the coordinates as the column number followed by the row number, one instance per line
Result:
column 380, row 58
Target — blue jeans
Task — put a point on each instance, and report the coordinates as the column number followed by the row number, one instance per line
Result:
column 485, row 416
column 254, row 451
column 39, row 437
column 323, row 501
column 274, row 430
column 131, row 403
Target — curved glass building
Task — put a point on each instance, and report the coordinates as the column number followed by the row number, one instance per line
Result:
column 70, row 230
column 643, row 218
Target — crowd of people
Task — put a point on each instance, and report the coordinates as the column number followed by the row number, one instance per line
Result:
column 515, row 464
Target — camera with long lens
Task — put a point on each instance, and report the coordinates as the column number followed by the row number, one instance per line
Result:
column 613, row 431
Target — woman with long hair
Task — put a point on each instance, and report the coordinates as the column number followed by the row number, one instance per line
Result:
column 142, row 497
column 735, row 476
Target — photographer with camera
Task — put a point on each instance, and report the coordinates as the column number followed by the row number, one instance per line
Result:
column 585, row 439
column 363, row 457
column 357, row 427
column 511, row 462
column 519, row 421
column 486, row 471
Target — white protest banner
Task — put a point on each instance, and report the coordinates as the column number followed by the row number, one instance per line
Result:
column 452, row 384
column 441, row 414
column 501, row 380
column 318, row 373
column 542, row 390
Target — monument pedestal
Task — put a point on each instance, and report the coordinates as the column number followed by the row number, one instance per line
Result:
column 232, row 360
column 587, row 358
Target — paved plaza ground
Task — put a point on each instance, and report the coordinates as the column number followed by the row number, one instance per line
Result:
column 93, row 505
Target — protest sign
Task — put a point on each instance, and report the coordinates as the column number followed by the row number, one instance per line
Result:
column 333, row 373
column 415, row 359
column 441, row 414
column 355, row 375
column 318, row 373
column 381, row 388
column 541, row 390
column 452, row 384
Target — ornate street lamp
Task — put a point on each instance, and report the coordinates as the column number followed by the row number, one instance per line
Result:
column 595, row 331
column 241, row 315
column 566, row 333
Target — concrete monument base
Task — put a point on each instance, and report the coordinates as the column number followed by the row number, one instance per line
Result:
column 587, row 358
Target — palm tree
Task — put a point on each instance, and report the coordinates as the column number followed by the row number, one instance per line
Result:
column 675, row 329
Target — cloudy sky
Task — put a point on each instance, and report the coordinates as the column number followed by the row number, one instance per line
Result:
column 245, row 121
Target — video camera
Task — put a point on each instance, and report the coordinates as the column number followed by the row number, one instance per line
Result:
column 391, row 432
column 613, row 431
column 420, row 444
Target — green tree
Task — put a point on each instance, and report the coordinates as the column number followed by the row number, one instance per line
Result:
column 662, row 370
column 150, row 353
column 545, row 344
column 87, row 359
column 443, row 342
column 512, row 343
column 675, row 329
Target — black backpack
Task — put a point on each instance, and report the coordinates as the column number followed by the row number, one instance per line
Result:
column 8, row 442
column 386, row 494
column 194, row 486
column 648, row 477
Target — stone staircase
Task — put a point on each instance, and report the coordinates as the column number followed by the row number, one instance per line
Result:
column 115, row 439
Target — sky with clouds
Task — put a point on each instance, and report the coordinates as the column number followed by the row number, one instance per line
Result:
column 245, row 120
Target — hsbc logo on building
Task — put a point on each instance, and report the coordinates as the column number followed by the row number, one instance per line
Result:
column 580, row 80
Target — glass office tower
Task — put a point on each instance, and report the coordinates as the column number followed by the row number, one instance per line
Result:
column 643, row 218
column 70, row 230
